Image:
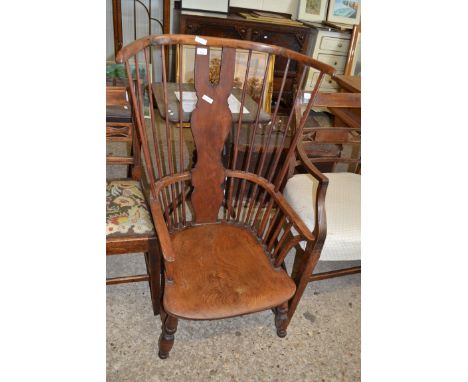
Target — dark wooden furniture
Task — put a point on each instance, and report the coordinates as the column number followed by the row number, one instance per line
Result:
column 347, row 114
column 129, row 228
column 234, row 26
column 349, row 83
column 223, row 252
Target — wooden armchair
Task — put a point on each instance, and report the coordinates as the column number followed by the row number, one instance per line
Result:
column 329, row 203
column 223, row 231
column 129, row 227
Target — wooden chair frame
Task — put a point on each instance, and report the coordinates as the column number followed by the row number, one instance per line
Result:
column 242, row 198
column 332, row 135
column 123, row 131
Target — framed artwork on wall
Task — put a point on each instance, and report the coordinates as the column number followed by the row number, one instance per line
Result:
column 312, row 10
column 344, row 11
column 258, row 64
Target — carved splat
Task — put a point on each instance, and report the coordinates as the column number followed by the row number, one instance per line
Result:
column 211, row 123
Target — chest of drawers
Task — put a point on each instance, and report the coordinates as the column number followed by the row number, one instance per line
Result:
column 331, row 47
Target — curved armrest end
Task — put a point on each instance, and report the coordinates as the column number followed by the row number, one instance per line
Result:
column 163, row 236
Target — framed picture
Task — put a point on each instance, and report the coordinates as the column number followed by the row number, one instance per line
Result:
column 255, row 77
column 311, row 10
column 344, row 11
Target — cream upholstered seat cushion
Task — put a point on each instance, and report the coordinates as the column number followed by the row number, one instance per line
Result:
column 343, row 211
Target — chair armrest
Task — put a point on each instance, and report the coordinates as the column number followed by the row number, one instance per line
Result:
column 320, row 228
column 163, row 237
column 308, row 165
column 283, row 204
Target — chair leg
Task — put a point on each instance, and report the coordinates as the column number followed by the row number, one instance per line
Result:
column 302, row 270
column 154, row 271
column 281, row 319
column 166, row 339
column 298, row 264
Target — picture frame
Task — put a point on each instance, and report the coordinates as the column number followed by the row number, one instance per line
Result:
column 312, row 10
column 255, row 77
column 344, row 11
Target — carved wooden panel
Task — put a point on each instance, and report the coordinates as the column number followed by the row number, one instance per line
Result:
column 119, row 132
column 210, row 134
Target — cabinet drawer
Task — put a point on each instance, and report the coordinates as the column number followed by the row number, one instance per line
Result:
column 327, row 82
column 291, row 40
column 335, row 44
column 338, row 62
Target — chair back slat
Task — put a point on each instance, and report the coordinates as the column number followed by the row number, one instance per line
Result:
column 120, row 128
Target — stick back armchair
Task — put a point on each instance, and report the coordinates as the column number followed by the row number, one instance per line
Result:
column 223, row 230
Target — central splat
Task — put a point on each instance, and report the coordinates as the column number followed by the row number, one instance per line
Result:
column 211, row 122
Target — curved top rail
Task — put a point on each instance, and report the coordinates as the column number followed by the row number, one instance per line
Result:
column 166, row 39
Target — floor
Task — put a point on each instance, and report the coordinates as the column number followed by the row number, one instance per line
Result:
column 323, row 341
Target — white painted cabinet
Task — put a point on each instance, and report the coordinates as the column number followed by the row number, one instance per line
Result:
column 331, row 47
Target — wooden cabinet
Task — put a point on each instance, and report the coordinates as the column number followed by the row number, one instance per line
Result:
column 234, row 26
column 331, row 47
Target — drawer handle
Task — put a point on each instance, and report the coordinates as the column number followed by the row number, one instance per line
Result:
column 265, row 36
column 340, row 45
column 242, row 30
column 335, row 63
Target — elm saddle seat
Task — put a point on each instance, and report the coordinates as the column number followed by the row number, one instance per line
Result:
column 223, row 271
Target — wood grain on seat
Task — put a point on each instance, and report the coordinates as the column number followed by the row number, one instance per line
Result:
column 222, row 271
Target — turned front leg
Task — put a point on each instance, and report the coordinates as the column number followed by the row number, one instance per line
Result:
column 281, row 319
column 166, row 340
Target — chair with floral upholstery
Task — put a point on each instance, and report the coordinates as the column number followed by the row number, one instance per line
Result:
column 129, row 227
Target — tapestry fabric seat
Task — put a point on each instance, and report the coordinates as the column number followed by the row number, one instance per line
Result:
column 126, row 210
